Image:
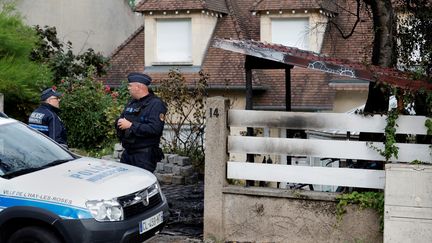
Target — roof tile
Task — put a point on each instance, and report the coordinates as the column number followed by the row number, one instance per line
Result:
column 310, row 89
column 163, row 5
column 262, row 5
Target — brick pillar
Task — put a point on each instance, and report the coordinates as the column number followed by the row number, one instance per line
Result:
column 216, row 156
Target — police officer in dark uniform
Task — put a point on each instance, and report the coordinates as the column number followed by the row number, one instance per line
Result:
column 141, row 124
column 45, row 118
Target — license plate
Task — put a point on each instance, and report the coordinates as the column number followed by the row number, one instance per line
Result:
column 151, row 222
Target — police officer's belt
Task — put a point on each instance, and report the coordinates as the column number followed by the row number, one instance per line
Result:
column 140, row 150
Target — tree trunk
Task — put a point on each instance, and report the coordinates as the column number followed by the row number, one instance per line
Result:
column 383, row 52
column 383, row 55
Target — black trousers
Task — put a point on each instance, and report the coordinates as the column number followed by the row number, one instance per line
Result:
column 144, row 158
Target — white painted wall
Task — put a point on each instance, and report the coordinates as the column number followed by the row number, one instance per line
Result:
column 346, row 100
column 99, row 24
column 203, row 26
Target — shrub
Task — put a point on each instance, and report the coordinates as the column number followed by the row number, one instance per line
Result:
column 87, row 106
column 186, row 116
column 20, row 78
column 62, row 61
column 88, row 111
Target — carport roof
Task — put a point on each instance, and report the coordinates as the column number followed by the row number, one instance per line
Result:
column 311, row 60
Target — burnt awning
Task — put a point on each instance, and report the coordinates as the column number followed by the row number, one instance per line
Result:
column 295, row 57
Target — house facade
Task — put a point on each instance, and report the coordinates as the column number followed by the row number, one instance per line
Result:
column 99, row 24
column 179, row 34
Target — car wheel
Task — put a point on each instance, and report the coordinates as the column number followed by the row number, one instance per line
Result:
column 33, row 234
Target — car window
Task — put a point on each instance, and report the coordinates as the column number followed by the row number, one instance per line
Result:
column 23, row 148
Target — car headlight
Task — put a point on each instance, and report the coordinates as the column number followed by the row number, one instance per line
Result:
column 105, row 210
column 153, row 189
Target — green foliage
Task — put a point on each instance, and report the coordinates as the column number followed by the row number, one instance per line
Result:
column 112, row 112
column 18, row 42
column 131, row 4
column 20, row 78
column 417, row 162
column 97, row 152
column 236, row 182
column 374, row 200
column 62, row 61
column 88, row 109
column 390, row 148
column 428, row 124
column 185, row 117
column 415, row 37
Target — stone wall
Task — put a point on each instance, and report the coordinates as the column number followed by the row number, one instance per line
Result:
column 173, row 169
column 252, row 214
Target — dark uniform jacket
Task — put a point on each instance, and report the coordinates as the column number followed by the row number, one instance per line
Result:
column 148, row 119
column 46, row 120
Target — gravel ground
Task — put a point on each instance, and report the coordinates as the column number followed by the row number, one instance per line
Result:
column 172, row 239
column 185, row 223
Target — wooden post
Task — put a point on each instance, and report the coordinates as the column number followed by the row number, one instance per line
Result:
column 288, row 102
column 249, row 106
column 216, row 157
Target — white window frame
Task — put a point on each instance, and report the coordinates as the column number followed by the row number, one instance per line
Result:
column 292, row 32
column 173, row 41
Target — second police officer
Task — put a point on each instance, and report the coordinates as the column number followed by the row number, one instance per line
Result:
column 141, row 123
column 46, row 117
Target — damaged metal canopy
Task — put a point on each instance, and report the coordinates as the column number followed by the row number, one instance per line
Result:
column 312, row 60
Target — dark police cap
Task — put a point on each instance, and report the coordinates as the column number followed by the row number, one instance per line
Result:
column 48, row 93
column 140, row 78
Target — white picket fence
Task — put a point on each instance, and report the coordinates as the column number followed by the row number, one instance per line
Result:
column 320, row 148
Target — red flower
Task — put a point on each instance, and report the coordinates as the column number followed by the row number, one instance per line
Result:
column 54, row 87
column 114, row 95
column 107, row 89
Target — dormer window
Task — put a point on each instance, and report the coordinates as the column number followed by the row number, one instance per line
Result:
column 173, row 41
column 177, row 39
column 292, row 32
column 301, row 28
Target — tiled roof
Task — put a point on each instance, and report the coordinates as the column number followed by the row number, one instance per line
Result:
column 163, row 5
column 227, row 67
column 262, row 5
column 310, row 89
column 128, row 57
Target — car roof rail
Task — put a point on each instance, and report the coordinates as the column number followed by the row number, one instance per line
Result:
column 3, row 115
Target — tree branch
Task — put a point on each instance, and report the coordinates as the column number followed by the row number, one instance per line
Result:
column 354, row 26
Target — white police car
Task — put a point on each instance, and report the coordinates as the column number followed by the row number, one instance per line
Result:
column 50, row 195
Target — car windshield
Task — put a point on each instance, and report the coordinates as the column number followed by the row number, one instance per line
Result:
column 23, row 150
